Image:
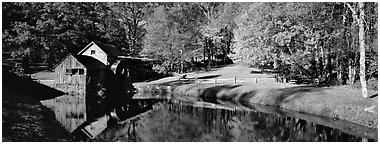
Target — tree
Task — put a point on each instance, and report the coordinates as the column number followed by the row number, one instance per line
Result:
column 38, row 33
column 209, row 28
column 161, row 41
column 362, row 50
column 360, row 19
column 46, row 32
column 172, row 35
column 131, row 18
column 303, row 40
column 306, row 40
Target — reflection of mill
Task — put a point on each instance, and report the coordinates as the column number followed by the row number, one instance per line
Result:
column 71, row 112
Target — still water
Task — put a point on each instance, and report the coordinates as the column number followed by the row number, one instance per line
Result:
column 155, row 120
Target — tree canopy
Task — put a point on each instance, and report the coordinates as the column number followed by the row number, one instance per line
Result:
column 305, row 40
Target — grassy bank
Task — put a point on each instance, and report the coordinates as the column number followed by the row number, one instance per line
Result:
column 342, row 102
column 25, row 119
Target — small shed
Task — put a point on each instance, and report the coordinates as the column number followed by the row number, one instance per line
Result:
column 78, row 73
column 106, row 54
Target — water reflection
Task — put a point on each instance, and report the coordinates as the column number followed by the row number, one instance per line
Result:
column 169, row 121
column 156, row 120
column 85, row 118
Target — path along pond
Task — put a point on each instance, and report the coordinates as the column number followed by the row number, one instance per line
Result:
column 160, row 120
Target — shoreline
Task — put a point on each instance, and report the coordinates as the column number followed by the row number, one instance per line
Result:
column 333, row 102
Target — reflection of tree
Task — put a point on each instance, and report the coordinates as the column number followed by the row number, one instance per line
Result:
column 166, row 125
column 182, row 122
column 267, row 127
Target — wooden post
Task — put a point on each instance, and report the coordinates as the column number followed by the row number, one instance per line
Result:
column 235, row 80
column 216, row 81
column 256, row 79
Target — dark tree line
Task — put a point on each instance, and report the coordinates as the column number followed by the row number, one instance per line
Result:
column 307, row 41
column 46, row 32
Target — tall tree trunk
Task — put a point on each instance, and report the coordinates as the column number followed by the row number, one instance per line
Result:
column 209, row 53
column 352, row 60
column 172, row 67
column 181, row 61
column 339, row 70
column 351, row 72
column 328, row 66
column 204, row 51
column 362, row 50
column 321, row 61
column 352, row 63
column 182, row 70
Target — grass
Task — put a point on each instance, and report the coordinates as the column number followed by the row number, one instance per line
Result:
column 25, row 119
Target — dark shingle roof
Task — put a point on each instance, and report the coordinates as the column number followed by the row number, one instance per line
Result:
column 108, row 49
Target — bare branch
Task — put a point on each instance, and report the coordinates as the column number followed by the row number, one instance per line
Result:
column 351, row 8
column 355, row 14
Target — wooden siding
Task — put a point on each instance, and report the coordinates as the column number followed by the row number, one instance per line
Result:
column 70, row 83
column 99, row 54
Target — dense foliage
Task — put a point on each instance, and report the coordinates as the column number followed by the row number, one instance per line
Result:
column 307, row 41
column 46, row 32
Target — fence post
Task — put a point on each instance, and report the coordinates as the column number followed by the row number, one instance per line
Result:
column 234, row 80
column 215, row 81
column 256, row 79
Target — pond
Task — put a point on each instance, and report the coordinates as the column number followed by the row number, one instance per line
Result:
column 161, row 120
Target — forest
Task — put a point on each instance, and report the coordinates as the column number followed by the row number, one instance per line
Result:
column 309, row 41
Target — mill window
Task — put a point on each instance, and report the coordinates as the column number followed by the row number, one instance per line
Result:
column 81, row 71
column 74, row 71
column 92, row 52
column 69, row 71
